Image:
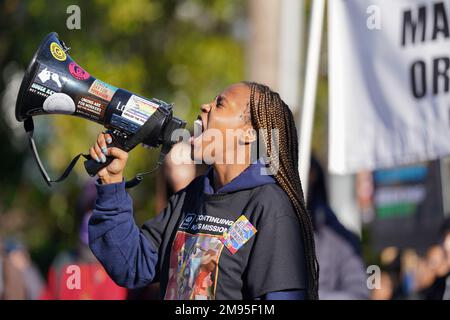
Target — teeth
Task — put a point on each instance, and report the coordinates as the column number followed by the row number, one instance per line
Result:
column 198, row 128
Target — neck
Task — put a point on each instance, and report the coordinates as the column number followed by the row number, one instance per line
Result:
column 224, row 173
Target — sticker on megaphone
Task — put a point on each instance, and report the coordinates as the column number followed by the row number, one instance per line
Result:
column 59, row 103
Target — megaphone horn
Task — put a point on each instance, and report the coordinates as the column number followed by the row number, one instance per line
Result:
column 56, row 84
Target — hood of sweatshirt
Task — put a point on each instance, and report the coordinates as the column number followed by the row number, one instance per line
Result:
column 253, row 176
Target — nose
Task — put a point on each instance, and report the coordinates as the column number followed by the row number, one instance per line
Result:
column 205, row 107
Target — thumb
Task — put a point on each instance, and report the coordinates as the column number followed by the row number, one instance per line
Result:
column 118, row 153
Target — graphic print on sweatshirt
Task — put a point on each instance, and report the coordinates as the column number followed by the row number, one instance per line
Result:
column 194, row 257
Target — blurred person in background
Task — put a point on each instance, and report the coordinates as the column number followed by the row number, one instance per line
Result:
column 386, row 289
column 342, row 272
column 1, row 269
column 438, row 261
column 423, row 277
column 409, row 261
column 19, row 277
column 446, row 247
column 391, row 265
column 438, row 269
column 94, row 282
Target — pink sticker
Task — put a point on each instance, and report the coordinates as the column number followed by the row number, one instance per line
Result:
column 78, row 72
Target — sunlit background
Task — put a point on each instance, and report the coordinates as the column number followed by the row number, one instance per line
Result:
column 184, row 52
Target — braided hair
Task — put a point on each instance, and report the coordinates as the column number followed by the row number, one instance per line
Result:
column 269, row 112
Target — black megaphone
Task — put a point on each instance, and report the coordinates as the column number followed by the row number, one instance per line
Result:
column 55, row 84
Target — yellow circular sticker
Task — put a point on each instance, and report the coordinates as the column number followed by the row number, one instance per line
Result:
column 57, row 52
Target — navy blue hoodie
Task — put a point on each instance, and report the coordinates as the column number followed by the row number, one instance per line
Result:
column 241, row 242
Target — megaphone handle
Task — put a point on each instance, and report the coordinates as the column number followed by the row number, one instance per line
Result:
column 92, row 166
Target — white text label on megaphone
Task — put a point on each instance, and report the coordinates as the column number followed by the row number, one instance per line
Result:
column 59, row 103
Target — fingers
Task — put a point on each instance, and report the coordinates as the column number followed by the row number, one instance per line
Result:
column 96, row 154
column 101, row 142
column 100, row 153
column 96, row 151
column 93, row 154
column 100, row 150
column 108, row 138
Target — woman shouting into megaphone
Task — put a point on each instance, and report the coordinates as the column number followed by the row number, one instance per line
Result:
column 241, row 231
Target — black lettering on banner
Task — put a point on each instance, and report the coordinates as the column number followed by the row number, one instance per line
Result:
column 418, row 79
column 440, row 73
column 410, row 26
column 440, row 24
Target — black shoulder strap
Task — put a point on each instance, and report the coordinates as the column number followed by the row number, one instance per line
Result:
column 29, row 129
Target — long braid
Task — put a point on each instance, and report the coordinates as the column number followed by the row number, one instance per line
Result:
column 268, row 112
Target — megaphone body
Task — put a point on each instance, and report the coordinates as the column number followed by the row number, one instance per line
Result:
column 55, row 84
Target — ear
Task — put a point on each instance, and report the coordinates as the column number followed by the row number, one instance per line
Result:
column 248, row 136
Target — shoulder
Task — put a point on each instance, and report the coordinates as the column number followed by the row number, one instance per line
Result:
column 273, row 201
column 270, row 205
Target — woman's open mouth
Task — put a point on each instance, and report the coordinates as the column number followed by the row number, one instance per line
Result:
column 198, row 130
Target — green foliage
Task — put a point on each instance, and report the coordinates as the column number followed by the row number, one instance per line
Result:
column 179, row 51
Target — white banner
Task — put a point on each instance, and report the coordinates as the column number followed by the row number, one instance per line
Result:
column 389, row 96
